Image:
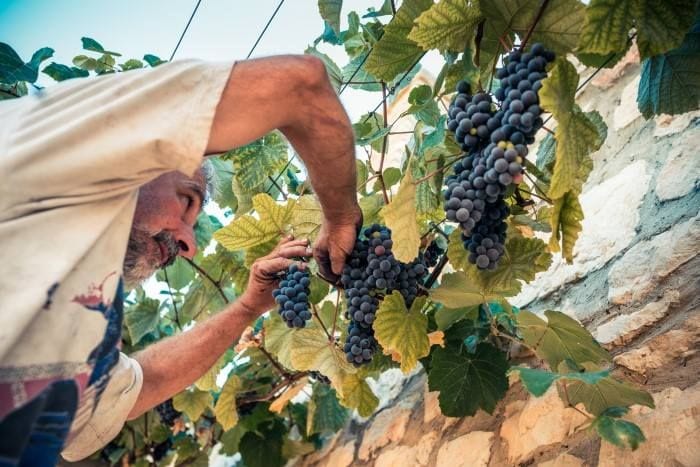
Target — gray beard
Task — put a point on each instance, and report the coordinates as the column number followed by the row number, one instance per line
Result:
column 140, row 262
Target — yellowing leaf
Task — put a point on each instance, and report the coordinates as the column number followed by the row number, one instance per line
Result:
column 225, row 409
column 244, row 232
column 447, row 25
column 281, row 402
column 457, row 291
column 437, row 338
column 566, row 224
column 311, row 351
column 278, row 339
column 207, row 382
column 400, row 217
column 576, row 134
column 355, row 393
column 559, row 26
column 271, row 211
column 404, row 332
column 192, row 403
column 306, row 218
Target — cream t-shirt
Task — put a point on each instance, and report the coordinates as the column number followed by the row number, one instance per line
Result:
column 72, row 158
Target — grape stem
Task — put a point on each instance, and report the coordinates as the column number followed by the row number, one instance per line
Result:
column 283, row 373
column 323, row 326
column 172, row 298
column 543, row 198
column 205, row 274
column 537, row 187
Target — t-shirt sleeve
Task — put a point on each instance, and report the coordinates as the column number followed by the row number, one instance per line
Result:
column 87, row 139
column 109, row 416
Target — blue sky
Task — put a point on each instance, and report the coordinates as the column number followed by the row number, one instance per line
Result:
column 221, row 30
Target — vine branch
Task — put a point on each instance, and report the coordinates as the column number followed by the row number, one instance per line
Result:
column 205, row 274
column 540, row 12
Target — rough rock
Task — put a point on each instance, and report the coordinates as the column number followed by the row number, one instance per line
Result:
column 627, row 111
column 642, row 267
column 388, row 426
column 670, row 124
column 681, row 172
column 431, row 405
column 624, row 328
column 470, row 450
column 397, row 456
column 341, row 456
column 615, row 198
column 537, row 422
column 563, row 460
column 672, row 431
column 608, row 77
column 663, row 349
column 425, row 447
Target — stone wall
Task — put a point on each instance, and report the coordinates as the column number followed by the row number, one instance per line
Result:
column 634, row 283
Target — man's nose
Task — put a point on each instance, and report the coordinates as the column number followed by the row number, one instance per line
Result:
column 187, row 245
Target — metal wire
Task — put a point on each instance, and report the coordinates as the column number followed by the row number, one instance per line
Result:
column 184, row 31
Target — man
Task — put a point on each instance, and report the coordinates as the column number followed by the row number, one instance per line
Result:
column 101, row 186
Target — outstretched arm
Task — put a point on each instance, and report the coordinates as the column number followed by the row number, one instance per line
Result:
column 293, row 94
column 173, row 364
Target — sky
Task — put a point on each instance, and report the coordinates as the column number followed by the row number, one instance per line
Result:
column 221, row 30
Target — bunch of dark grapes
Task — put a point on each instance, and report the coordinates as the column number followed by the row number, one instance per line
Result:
column 167, row 412
column 495, row 153
column 362, row 305
column 293, row 297
column 382, row 268
column 360, row 344
column 410, row 277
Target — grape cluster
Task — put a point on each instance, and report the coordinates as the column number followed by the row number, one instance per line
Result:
column 382, row 268
column 371, row 272
column 167, row 413
column 292, row 296
column 360, row 344
column 494, row 153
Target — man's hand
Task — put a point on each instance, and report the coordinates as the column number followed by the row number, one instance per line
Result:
column 263, row 273
column 335, row 242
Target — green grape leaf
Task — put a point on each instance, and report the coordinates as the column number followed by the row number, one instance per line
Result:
column 457, row 290
column 371, row 206
column 261, row 450
column 180, row 274
column 13, row 69
column 659, row 25
column 93, row 46
column 193, row 402
column 468, row 381
column 446, row 25
column 225, row 409
column 395, row 53
column 273, row 212
column 618, row 432
column 605, row 393
column 446, row 317
column 361, row 78
column 558, row 28
column 577, row 135
column 142, row 318
column 559, row 338
column 565, row 221
column 153, row 60
column 423, row 106
column 524, row 257
column 670, row 83
column 306, row 217
column 400, row 217
column 356, row 394
column 330, row 12
column 402, row 331
column 255, row 162
column 370, row 130
column 383, row 11
column 278, row 339
column 131, row 64
column 230, row 440
column 325, row 414
column 245, row 232
column 63, row 72
column 311, row 351
column 462, row 69
column 537, row 382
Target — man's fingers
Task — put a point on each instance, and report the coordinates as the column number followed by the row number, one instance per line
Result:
column 338, row 257
column 294, row 251
column 272, row 266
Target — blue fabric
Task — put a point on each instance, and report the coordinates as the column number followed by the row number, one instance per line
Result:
column 34, row 434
